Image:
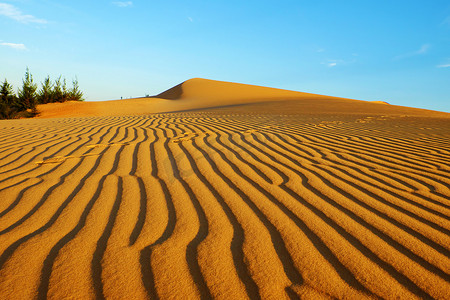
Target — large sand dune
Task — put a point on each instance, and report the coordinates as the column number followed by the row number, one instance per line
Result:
column 266, row 194
column 197, row 93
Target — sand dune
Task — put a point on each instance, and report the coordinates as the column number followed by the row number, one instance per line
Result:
column 198, row 93
column 252, row 197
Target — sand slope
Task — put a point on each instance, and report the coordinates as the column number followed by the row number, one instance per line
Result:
column 275, row 200
column 195, row 93
column 198, row 93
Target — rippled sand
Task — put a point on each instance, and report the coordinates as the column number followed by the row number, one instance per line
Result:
column 313, row 197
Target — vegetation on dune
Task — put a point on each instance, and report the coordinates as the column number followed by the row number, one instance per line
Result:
column 45, row 94
column 7, row 101
column 27, row 94
column 23, row 104
column 75, row 94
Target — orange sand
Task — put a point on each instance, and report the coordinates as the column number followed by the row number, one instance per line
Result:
column 227, row 191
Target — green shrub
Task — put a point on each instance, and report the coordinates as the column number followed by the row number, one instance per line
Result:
column 45, row 93
column 74, row 93
column 57, row 92
column 8, row 101
column 27, row 98
column 24, row 104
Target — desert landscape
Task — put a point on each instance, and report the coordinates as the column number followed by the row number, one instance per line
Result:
column 222, row 190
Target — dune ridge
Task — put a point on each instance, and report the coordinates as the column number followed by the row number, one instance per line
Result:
column 281, row 199
column 223, row 91
column 200, row 94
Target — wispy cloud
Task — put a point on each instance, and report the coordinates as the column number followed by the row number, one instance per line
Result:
column 14, row 46
column 14, row 13
column 444, row 66
column 331, row 63
column 123, row 3
column 190, row 19
column 423, row 50
column 337, row 62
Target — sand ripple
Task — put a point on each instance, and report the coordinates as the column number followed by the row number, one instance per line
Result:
column 227, row 206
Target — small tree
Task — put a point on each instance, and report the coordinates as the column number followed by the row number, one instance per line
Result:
column 7, row 101
column 45, row 93
column 75, row 94
column 27, row 95
column 12, row 106
column 65, row 91
column 57, row 92
column 7, row 93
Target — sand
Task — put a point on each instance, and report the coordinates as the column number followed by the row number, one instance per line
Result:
column 227, row 191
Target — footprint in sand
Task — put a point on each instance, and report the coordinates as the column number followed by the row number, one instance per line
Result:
column 53, row 160
column 188, row 136
column 108, row 145
column 251, row 131
column 61, row 159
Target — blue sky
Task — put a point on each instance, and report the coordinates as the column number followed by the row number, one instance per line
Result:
column 395, row 51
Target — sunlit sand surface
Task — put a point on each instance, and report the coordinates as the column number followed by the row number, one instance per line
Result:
column 227, row 191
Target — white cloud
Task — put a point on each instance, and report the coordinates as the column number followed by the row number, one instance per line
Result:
column 123, row 3
column 14, row 46
column 444, row 66
column 14, row 13
column 338, row 62
column 423, row 50
column 190, row 19
column 333, row 62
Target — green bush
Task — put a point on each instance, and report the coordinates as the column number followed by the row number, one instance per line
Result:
column 8, row 101
column 45, row 93
column 57, row 92
column 24, row 104
column 74, row 93
column 27, row 97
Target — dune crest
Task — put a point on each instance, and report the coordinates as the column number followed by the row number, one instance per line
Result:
column 214, row 90
column 198, row 93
